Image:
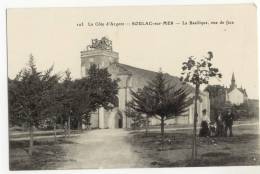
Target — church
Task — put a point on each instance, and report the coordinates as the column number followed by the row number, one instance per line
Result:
column 236, row 95
column 101, row 53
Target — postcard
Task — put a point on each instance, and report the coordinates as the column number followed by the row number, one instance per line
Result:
column 133, row 87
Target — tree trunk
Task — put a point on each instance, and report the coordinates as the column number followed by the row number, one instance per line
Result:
column 55, row 133
column 31, row 140
column 194, row 142
column 80, row 125
column 69, row 126
column 162, row 131
column 146, row 125
column 98, row 118
column 65, row 129
column 126, row 103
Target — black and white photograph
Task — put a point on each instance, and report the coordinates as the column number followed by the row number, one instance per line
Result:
column 163, row 86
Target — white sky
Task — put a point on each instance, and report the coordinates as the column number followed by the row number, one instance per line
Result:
column 52, row 36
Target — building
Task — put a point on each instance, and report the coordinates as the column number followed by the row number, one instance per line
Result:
column 235, row 95
column 100, row 52
column 223, row 98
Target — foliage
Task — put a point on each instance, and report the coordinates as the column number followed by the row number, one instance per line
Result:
column 161, row 100
column 27, row 93
column 142, row 101
column 103, row 90
column 37, row 97
column 198, row 72
column 27, row 96
column 137, row 117
column 168, row 101
column 92, row 92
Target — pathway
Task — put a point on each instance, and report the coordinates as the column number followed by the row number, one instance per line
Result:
column 107, row 148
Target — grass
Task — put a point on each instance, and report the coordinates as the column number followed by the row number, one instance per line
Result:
column 45, row 153
column 239, row 150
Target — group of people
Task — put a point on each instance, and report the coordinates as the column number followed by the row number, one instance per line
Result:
column 224, row 123
column 221, row 127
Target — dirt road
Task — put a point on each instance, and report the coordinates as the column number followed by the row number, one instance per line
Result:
column 107, row 148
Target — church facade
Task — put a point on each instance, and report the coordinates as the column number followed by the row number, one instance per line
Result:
column 100, row 52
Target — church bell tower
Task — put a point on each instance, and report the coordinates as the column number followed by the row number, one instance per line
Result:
column 100, row 53
column 233, row 82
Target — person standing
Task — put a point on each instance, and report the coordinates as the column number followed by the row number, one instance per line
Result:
column 220, row 124
column 229, row 123
column 204, row 130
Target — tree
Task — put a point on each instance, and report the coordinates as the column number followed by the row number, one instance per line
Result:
column 68, row 101
column 14, row 117
column 161, row 100
column 86, row 95
column 81, row 106
column 197, row 72
column 26, row 93
column 53, row 105
column 36, row 96
column 103, row 90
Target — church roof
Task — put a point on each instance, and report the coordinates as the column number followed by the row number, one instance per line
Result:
column 141, row 77
column 120, row 69
column 243, row 91
column 142, row 73
column 233, row 77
